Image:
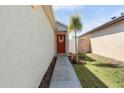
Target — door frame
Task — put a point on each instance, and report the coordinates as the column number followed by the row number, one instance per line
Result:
column 61, row 33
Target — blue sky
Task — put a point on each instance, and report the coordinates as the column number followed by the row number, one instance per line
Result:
column 91, row 15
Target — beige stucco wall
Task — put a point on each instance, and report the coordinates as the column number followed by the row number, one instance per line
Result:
column 27, row 46
column 109, row 41
column 84, row 43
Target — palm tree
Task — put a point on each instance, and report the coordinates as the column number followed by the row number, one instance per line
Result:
column 75, row 25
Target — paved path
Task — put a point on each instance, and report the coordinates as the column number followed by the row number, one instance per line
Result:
column 64, row 75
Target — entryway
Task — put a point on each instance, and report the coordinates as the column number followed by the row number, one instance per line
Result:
column 60, row 43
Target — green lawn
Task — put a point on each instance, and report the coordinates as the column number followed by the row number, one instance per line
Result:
column 100, row 72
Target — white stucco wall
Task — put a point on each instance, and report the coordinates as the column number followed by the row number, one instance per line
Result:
column 109, row 41
column 72, row 45
column 27, row 46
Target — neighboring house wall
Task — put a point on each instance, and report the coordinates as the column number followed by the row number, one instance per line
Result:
column 72, row 46
column 84, row 43
column 109, row 41
column 27, row 46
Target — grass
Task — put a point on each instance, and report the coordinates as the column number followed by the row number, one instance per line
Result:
column 100, row 72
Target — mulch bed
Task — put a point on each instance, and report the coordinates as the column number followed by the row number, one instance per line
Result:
column 45, row 82
column 72, row 59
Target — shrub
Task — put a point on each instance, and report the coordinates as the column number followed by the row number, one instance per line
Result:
column 82, row 56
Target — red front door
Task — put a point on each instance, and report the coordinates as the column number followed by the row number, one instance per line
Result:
column 60, row 43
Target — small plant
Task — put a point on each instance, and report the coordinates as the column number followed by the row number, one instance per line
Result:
column 82, row 56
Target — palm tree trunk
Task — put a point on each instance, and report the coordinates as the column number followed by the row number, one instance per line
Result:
column 76, row 45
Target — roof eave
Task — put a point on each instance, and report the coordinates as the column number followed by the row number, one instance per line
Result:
column 50, row 15
column 104, row 25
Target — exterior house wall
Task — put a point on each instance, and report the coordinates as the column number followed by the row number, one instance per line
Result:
column 72, row 45
column 84, row 43
column 27, row 46
column 109, row 41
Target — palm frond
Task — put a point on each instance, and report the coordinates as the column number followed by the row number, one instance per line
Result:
column 75, row 23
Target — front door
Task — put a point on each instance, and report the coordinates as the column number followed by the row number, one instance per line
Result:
column 60, row 43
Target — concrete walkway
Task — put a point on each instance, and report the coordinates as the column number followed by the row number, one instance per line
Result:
column 64, row 75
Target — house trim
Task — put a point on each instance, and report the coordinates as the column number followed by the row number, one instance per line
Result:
column 49, row 13
column 104, row 25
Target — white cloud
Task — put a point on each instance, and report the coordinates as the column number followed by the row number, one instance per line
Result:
column 99, row 20
column 67, row 7
column 102, row 9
